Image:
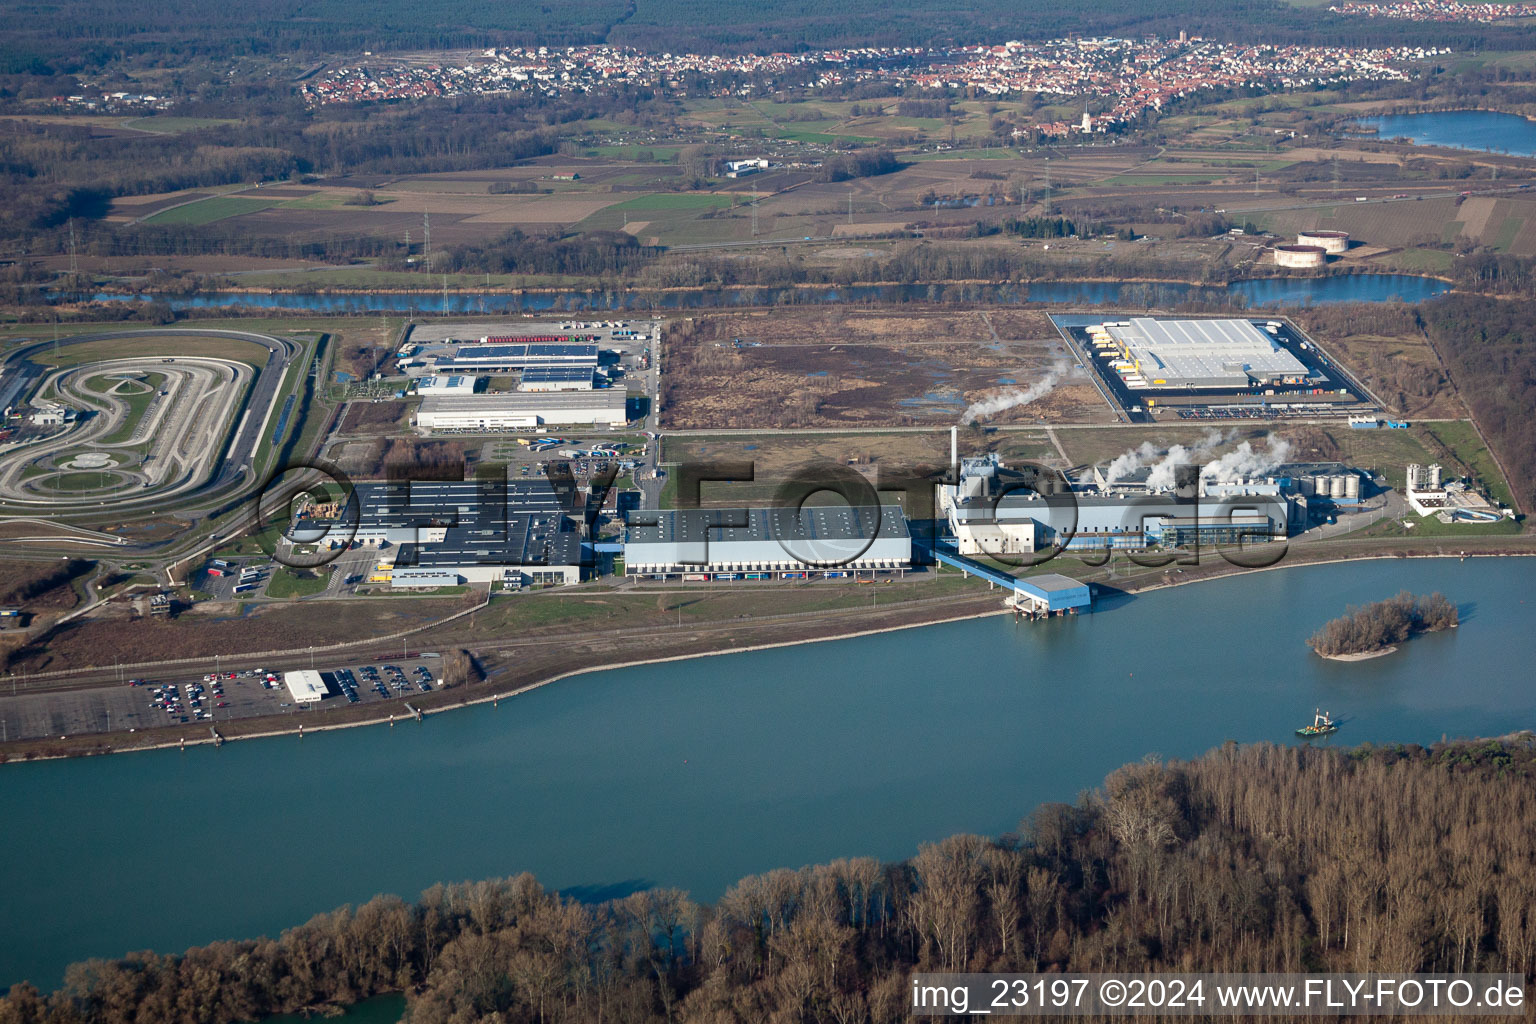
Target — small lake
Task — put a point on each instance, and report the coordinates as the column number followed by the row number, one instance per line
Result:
column 1460, row 129
column 1259, row 292
column 695, row 773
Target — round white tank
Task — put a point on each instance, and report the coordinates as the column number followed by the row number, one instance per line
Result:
column 1434, row 477
column 1336, row 486
column 1331, row 242
column 1352, row 486
column 1300, row 257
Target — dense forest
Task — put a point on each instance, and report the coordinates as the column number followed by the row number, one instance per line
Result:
column 1259, row 858
column 92, row 33
column 1378, row 626
column 1489, row 348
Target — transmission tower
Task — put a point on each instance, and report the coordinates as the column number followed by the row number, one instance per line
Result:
column 426, row 252
column 74, row 258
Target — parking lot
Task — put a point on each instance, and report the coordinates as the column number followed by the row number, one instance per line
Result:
column 223, row 691
column 232, row 579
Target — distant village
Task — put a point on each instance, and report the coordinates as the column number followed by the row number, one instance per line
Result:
column 1135, row 76
column 1436, row 10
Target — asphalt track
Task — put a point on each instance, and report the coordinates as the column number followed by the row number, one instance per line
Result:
column 259, row 405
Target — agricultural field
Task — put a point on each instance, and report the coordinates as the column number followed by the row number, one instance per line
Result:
column 210, row 210
column 852, row 368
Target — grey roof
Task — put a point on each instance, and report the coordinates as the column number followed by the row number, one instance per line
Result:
column 838, row 522
column 525, row 402
column 1180, row 350
column 495, row 522
column 1054, row 583
column 557, row 374
column 526, row 352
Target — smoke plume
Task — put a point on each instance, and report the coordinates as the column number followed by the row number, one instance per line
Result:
column 1244, row 463
column 1162, row 479
column 1014, row 396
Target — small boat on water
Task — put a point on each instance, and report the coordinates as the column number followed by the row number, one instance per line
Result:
column 1322, row 725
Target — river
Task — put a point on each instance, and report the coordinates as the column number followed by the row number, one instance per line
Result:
column 695, row 773
column 1460, row 129
column 1258, row 292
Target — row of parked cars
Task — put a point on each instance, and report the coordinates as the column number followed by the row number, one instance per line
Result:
column 348, row 683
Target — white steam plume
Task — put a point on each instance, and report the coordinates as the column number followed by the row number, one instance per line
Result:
column 1162, row 478
column 1129, row 462
column 1243, row 463
column 1014, row 396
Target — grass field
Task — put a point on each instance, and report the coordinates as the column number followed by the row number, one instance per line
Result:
column 156, row 347
column 207, row 211
column 288, row 582
column 138, row 403
column 1461, row 440
column 174, row 125
column 1387, row 452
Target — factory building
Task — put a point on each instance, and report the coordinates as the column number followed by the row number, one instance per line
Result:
column 556, row 378
column 1450, row 501
column 498, row 357
column 499, row 412
column 1153, row 354
column 765, row 543
column 444, row 384
column 305, row 686
column 996, row 510
column 450, row 532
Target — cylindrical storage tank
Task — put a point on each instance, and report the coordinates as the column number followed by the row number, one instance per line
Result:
column 1434, row 477
column 1415, row 476
column 1320, row 486
column 1307, row 487
column 1336, row 486
column 1300, row 257
column 1331, row 242
column 1352, row 486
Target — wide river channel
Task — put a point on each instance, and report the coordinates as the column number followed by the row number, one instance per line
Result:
column 695, row 773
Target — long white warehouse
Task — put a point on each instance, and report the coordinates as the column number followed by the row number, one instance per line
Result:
column 775, row 540
column 488, row 413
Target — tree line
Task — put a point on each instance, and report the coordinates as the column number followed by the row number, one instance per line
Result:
column 1488, row 346
column 1377, row 626
column 1253, row 859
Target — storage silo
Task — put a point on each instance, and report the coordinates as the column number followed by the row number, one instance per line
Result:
column 1300, row 257
column 1331, row 242
column 1434, row 476
column 1352, row 487
column 1336, row 486
column 1320, row 486
column 1415, row 477
column 1307, row 487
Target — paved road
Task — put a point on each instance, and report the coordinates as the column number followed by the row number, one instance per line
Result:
column 259, row 405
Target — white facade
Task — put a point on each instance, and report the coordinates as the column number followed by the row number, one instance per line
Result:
column 489, row 413
column 305, row 686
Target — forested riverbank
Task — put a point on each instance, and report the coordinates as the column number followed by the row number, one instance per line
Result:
column 1257, row 858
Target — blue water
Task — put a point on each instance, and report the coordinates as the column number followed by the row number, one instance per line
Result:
column 1285, row 291
column 1460, row 129
column 695, row 773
